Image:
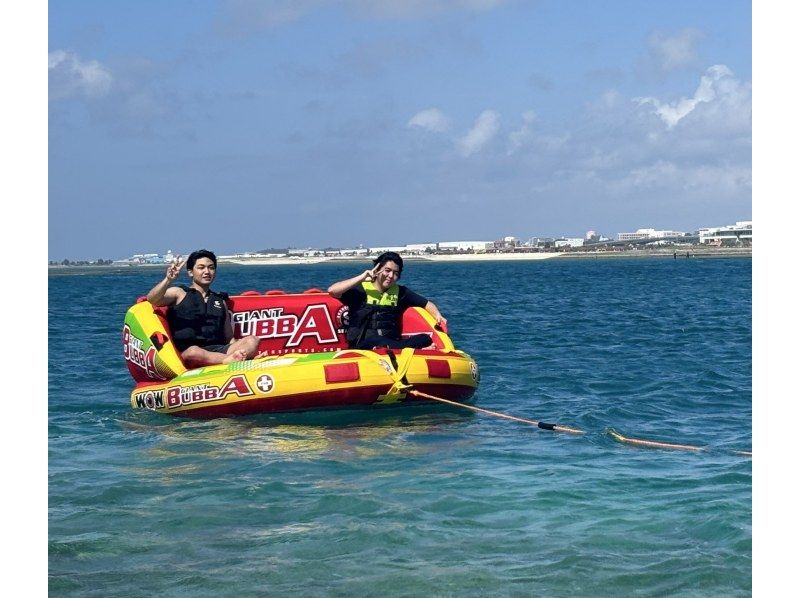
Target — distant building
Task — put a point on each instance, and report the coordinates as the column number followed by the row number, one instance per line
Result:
column 739, row 233
column 147, row 258
column 541, row 242
column 648, row 233
column 506, row 243
column 595, row 237
column 354, row 251
column 476, row 246
column 568, row 243
column 420, row 247
column 379, row 250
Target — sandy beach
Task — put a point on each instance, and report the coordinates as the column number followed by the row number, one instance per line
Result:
column 483, row 257
column 672, row 253
column 695, row 251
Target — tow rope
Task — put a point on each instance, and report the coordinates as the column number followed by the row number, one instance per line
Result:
column 639, row 442
column 401, row 387
column 532, row 422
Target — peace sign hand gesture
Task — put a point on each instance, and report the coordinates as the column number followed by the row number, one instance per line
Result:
column 174, row 268
column 370, row 274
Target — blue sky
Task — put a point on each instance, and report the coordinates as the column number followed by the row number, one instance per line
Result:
column 242, row 124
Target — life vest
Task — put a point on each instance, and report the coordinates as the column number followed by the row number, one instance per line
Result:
column 197, row 322
column 379, row 315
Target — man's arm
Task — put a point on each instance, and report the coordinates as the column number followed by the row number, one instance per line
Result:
column 431, row 308
column 229, row 326
column 409, row 298
column 337, row 289
column 162, row 293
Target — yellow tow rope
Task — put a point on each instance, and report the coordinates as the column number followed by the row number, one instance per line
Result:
column 400, row 388
column 640, row 442
column 532, row 422
column 652, row 443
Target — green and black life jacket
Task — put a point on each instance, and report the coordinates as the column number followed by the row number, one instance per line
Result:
column 379, row 315
column 197, row 322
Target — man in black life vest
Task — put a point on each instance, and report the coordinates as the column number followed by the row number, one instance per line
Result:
column 198, row 317
column 376, row 304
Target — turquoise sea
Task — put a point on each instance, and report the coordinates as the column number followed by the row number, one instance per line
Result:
column 426, row 501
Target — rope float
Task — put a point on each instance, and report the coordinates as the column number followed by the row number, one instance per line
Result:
column 640, row 442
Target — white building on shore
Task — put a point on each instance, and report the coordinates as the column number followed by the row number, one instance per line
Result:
column 476, row 246
column 146, row 258
column 565, row 242
column 741, row 232
column 379, row 250
column 648, row 233
column 420, row 247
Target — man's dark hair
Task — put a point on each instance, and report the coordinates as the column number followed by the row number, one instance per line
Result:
column 196, row 255
column 389, row 256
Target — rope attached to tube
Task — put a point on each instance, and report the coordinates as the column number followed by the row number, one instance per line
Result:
column 640, row 442
column 532, row 422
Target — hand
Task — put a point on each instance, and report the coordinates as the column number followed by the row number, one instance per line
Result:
column 370, row 274
column 174, row 269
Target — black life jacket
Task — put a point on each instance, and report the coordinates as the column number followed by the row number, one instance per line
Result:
column 379, row 314
column 197, row 322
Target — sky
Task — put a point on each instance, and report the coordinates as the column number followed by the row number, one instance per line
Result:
column 240, row 125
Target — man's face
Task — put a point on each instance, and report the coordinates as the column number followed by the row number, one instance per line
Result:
column 387, row 276
column 203, row 271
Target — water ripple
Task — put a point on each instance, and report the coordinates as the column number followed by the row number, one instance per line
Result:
column 427, row 501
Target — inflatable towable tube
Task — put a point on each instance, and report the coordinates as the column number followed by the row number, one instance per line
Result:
column 306, row 363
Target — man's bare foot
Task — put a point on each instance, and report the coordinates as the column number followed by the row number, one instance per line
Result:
column 235, row 356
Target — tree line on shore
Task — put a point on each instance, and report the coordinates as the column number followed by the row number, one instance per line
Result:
column 66, row 262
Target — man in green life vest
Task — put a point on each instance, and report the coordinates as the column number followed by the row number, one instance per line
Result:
column 376, row 304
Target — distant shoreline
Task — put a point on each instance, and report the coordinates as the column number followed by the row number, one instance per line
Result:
column 693, row 252
column 662, row 253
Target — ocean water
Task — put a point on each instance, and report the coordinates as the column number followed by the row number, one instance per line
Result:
column 426, row 501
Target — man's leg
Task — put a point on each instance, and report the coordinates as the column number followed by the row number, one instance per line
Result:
column 374, row 341
column 196, row 356
column 246, row 347
column 418, row 341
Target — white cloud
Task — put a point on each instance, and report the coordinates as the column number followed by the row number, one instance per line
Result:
column 609, row 100
column 651, row 175
column 725, row 179
column 716, row 84
column 70, row 77
column 516, row 139
column 485, row 128
column 431, row 119
column 673, row 52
